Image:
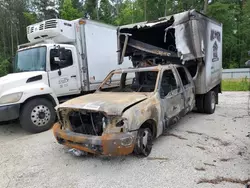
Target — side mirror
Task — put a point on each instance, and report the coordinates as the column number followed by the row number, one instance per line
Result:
column 62, row 55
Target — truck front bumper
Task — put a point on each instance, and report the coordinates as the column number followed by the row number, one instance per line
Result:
column 114, row 144
column 9, row 112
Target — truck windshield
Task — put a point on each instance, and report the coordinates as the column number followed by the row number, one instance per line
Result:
column 138, row 81
column 33, row 59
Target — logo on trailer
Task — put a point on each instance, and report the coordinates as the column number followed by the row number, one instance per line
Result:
column 216, row 37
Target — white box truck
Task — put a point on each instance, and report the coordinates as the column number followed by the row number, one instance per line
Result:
column 63, row 59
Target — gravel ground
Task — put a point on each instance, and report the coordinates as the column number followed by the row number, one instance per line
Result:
column 198, row 149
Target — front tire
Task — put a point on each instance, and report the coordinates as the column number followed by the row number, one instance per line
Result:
column 37, row 115
column 210, row 102
column 144, row 142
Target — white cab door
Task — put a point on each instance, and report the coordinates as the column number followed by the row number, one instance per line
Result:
column 64, row 80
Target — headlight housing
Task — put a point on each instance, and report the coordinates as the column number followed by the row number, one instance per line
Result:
column 11, row 98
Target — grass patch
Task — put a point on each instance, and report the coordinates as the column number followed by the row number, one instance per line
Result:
column 236, row 84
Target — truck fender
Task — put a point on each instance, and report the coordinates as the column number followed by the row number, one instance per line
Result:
column 33, row 90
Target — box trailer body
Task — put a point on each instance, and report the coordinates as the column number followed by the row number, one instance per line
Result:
column 189, row 38
column 94, row 44
column 41, row 79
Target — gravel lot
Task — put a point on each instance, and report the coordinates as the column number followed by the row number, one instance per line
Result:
column 199, row 148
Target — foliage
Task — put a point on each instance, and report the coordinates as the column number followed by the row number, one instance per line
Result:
column 68, row 12
column 4, row 67
column 90, row 9
column 30, row 17
column 45, row 9
column 236, row 84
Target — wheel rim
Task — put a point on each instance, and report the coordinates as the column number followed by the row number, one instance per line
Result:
column 146, row 142
column 40, row 115
column 213, row 101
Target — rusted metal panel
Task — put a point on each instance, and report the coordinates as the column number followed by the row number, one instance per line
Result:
column 151, row 49
column 107, row 144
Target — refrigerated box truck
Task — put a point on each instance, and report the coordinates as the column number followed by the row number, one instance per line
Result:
column 62, row 59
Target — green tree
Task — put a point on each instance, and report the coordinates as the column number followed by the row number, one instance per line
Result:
column 45, row 9
column 106, row 12
column 4, row 67
column 130, row 12
column 90, row 9
column 68, row 12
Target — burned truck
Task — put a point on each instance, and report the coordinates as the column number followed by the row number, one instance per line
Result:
column 177, row 64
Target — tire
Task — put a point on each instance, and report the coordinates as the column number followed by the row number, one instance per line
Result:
column 217, row 98
column 144, row 140
column 200, row 103
column 37, row 115
column 210, row 102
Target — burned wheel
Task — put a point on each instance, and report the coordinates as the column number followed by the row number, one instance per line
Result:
column 144, row 142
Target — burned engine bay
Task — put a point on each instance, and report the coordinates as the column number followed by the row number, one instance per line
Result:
column 89, row 122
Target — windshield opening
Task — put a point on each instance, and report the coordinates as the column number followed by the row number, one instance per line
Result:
column 143, row 81
column 33, row 59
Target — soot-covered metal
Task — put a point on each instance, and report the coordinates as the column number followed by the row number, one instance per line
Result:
column 90, row 123
column 183, row 35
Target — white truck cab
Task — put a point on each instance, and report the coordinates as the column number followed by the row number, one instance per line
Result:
column 63, row 59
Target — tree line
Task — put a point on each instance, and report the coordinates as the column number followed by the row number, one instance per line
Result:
column 18, row 14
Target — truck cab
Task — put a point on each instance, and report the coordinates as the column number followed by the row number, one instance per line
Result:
column 43, row 70
column 39, row 78
column 118, row 121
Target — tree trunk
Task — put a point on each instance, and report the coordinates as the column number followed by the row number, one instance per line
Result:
column 4, row 43
column 166, row 6
column 205, row 6
column 11, row 34
column 132, row 11
column 97, row 10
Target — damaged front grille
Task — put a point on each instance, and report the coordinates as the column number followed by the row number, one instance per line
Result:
column 90, row 123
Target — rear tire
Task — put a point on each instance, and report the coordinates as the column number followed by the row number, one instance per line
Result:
column 200, row 103
column 144, row 142
column 210, row 102
column 37, row 115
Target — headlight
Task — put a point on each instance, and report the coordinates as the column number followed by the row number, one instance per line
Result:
column 11, row 98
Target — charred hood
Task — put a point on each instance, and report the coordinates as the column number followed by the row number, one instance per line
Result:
column 107, row 102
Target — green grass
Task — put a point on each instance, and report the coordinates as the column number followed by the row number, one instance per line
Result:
column 236, row 84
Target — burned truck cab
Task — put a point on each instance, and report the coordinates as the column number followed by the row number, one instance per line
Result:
column 126, row 118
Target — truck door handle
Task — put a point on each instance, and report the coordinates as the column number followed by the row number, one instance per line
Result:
column 73, row 76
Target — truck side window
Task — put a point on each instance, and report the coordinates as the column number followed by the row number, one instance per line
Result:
column 54, row 59
column 183, row 75
column 168, row 82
